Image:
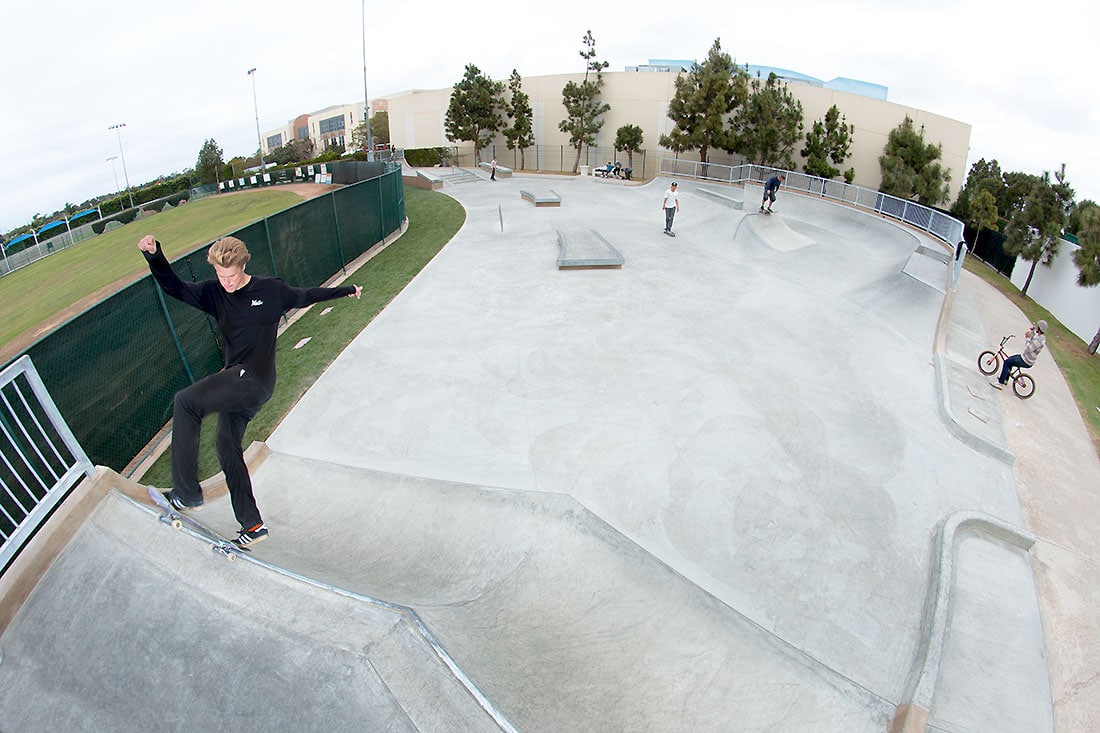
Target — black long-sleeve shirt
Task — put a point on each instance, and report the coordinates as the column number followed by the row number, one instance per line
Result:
column 248, row 318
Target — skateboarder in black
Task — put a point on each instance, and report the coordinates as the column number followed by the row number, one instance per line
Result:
column 769, row 191
column 247, row 310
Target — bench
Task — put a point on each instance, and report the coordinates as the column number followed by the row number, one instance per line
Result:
column 541, row 198
column 502, row 172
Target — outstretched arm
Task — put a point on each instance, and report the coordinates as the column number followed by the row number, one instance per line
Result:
column 166, row 277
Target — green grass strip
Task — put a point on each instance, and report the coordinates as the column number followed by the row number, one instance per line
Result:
column 1080, row 368
column 433, row 221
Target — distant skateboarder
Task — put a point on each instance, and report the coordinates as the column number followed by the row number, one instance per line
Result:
column 247, row 310
column 671, row 205
column 770, row 188
column 493, row 169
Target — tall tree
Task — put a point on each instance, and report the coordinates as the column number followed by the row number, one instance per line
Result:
column 1033, row 232
column 769, row 125
column 583, row 107
column 982, row 212
column 1087, row 258
column 473, row 114
column 520, row 134
column 829, row 140
column 704, row 99
column 628, row 138
column 210, row 162
column 380, row 127
column 983, row 176
column 909, row 167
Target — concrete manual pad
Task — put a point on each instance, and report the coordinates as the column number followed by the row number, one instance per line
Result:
column 586, row 249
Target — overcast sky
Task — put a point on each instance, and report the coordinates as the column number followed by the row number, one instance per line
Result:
column 176, row 73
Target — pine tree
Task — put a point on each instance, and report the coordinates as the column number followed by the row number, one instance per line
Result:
column 909, row 167
column 1033, row 232
column 628, row 138
column 473, row 114
column 829, row 139
column 582, row 102
column 769, row 125
column 520, row 133
column 704, row 99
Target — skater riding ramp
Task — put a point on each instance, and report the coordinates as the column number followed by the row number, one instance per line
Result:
column 139, row 627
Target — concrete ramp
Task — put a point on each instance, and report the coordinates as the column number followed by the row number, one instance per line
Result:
column 139, row 627
column 586, row 249
column 561, row 621
column 772, row 230
column 929, row 267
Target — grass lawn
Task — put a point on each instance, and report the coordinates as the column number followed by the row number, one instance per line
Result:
column 53, row 284
column 1080, row 368
column 433, row 221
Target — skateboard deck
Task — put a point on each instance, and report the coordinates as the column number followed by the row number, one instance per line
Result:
column 671, row 234
column 174, row 517
column 766, row 211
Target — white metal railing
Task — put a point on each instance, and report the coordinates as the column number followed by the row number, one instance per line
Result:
column 40, row 459
column 936, row 223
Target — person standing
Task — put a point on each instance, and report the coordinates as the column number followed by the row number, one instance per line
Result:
column 1036, row 340
column 770, row 188
column 493, row 169
column 247, row 310
column 671, row 206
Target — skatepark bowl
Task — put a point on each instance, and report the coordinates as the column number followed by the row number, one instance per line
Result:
column 711, row 489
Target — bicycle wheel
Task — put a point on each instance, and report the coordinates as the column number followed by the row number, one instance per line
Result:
column 1023, row 386
column 989, row 362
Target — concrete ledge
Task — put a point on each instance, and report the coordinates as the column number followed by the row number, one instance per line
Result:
column 912, row 712
column 722, row 197
column 432, row 181
column 541, row 198
column 586, row 249
column 502, row 172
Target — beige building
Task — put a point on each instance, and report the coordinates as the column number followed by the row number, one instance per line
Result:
column 329, row 126
column 641, row 98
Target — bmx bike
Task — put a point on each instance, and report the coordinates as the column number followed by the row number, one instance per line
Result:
column 989, row 363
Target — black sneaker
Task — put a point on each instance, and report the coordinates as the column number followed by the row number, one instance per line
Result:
column 176, row 502
column 251, row 536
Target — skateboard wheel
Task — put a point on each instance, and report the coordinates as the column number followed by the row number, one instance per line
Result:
column 231, row 557
column 177, row 524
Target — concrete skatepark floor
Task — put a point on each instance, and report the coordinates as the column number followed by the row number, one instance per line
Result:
column 698, row 492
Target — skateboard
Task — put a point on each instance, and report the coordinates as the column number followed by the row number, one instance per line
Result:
column 172, row 516
column 767, row 211
column 671, row 234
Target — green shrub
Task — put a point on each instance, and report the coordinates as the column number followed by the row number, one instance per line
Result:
column 425, row 157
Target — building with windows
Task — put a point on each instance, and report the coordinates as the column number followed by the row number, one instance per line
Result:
column 327, row 127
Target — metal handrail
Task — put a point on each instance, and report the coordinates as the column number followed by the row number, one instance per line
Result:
column 937, row 224
column 40, row 458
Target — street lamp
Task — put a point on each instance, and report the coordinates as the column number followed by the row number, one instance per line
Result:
column 252, row 73
column 118, row 131
column 366, row 102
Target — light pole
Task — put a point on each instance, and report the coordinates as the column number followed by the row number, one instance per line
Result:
column 114, row 170
column 252, row 73
column 118, row 131
column 366, row 102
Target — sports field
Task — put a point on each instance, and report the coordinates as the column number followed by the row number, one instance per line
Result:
column 46, row 293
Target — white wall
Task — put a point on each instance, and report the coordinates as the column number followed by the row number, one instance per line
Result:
column 1056, row 289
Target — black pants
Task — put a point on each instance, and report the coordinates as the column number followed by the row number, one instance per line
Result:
column 236, row 397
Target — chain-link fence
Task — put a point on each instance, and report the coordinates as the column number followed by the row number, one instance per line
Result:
column 113, row 369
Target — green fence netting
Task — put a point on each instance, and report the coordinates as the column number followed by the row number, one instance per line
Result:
column 114, row 369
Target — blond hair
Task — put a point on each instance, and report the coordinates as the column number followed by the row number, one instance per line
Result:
column 228, row 252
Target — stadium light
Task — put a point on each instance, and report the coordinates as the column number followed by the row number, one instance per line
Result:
column 114, row 170
column 118, row 131
column 366, row 102
column 252, row 73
